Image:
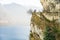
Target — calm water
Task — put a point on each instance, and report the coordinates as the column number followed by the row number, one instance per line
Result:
column 14, row 32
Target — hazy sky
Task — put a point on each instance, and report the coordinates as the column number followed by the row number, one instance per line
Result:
column 22, row 2
column 24, row 18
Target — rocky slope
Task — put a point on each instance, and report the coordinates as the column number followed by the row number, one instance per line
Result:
column 46, row 25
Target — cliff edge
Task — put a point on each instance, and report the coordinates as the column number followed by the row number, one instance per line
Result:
column 46, row 25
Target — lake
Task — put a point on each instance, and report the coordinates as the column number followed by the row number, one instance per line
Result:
column 16, row 32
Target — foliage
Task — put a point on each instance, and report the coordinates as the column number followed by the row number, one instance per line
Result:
column 51, row 32
column 48, row 34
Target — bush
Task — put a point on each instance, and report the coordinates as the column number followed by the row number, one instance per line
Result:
column 49, row 34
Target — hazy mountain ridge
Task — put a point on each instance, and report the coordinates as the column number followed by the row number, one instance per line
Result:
column 17, row 14
column 4, row 17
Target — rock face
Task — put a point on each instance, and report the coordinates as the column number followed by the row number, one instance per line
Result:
column 51, row 5
column 46, row 25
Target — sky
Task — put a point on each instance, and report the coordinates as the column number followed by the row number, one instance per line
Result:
column 35, row 3
column 23, row 2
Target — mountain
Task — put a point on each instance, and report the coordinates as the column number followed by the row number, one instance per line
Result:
column 3, row 15
column 45, row 25
column 17, row 14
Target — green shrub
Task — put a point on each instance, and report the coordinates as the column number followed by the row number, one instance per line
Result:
column 49, row 34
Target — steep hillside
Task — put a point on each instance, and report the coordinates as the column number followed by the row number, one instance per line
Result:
column 46, row 25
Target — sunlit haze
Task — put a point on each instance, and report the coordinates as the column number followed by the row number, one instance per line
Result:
column 14, row 11
column 23, row 2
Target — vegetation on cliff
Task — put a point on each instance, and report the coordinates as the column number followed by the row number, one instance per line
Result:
column 50, row 28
